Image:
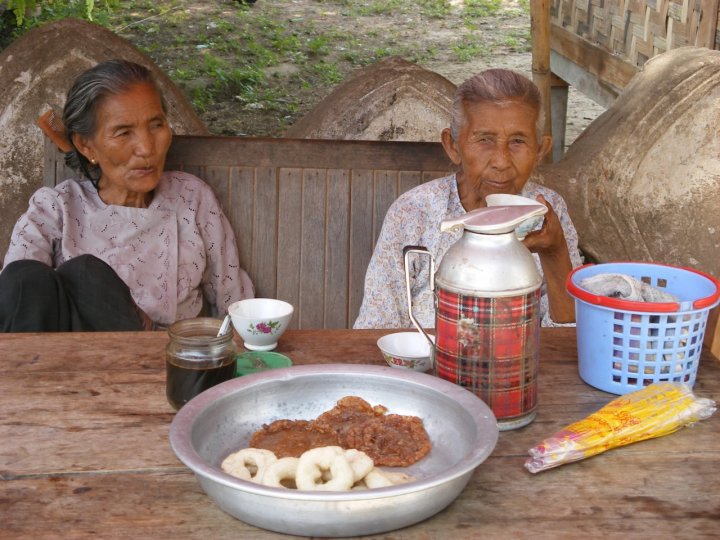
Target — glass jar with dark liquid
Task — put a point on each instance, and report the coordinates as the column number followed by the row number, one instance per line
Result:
column 197, row 358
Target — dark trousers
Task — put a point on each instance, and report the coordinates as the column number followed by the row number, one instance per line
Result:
column 83, row 294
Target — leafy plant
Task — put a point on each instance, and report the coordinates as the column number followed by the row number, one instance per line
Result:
column 19, row 16
column 27, row 9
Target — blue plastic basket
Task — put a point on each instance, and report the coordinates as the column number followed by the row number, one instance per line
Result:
column 624, row 346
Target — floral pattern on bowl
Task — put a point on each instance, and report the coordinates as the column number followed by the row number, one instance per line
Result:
column 265, row 327
column 394, row 361
column 409, row 350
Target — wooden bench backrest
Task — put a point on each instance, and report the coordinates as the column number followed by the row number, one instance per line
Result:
column 306, row 213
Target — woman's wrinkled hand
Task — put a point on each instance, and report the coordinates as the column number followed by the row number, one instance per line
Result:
column 550, row 245
column 550, row 237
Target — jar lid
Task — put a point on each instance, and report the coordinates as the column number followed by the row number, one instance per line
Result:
column 254, row 362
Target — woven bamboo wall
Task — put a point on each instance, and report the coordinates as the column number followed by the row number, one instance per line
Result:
column 636, row 30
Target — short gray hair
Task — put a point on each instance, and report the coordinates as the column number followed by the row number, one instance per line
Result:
column 90, row 88
column 495, row 86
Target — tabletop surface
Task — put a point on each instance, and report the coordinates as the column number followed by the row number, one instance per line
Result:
column 84, row 451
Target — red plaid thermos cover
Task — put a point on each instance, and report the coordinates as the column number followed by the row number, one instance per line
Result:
column 490, row 346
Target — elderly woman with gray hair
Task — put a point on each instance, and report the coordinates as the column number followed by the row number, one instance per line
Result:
column 129, row 246
column 495, row 142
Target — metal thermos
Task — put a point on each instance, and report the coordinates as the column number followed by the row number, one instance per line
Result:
column 487, row 311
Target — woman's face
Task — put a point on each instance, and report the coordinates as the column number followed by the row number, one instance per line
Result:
column 497, row 148
column 130, row 143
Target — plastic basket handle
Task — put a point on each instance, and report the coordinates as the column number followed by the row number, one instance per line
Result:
column 651, row 307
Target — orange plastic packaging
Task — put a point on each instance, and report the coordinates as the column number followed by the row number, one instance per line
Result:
column 657, row 410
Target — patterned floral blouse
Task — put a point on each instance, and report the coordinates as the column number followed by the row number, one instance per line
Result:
column 414, row 219
column 170, row 254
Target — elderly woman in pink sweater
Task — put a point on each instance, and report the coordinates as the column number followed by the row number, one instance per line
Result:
column 129, row 246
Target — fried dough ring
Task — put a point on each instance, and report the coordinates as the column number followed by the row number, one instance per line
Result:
column 282, row 469
column 317, row 461
column 378, row 478
column 397, row 477
column 360, row 462
column 248, row 464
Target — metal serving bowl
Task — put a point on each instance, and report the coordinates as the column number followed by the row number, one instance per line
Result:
column 462, row 429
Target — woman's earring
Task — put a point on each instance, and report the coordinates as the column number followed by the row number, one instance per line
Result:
column 93, row 162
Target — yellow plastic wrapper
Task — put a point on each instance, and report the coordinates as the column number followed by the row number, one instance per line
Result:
column 657, row 410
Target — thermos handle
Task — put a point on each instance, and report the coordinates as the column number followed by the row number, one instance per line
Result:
column 420, row 250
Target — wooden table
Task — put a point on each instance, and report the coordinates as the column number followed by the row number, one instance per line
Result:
column 84, row 452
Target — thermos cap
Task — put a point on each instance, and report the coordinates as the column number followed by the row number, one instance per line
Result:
column 494, row 219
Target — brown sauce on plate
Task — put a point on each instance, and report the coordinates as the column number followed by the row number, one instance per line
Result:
column 389, row 439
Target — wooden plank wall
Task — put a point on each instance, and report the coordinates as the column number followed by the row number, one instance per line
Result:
column 306, row 213
column 635, row 31
column 599, row 45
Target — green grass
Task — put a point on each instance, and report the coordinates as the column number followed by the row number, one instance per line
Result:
column 518, row 40
column 467, row 50
column 435, row 9
column 379, row 7
column 481, row 8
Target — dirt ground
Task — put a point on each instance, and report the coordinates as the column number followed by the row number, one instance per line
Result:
column 434, row 33
column 433, row 42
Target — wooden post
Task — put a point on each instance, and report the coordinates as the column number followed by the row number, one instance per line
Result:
column 540, row 37
column 559, row 91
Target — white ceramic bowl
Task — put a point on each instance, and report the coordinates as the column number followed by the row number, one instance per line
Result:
column 407, row 350
column 462, row 429
column 505, row 199
column 260, row 321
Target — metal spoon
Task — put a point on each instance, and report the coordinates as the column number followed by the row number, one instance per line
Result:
column 224, row 326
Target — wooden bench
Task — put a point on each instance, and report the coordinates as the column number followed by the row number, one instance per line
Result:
column 306, row 213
